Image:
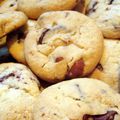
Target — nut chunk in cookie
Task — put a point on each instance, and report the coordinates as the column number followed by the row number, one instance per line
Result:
column 67, row 45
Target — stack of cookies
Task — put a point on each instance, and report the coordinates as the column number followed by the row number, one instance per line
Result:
column 73, row 44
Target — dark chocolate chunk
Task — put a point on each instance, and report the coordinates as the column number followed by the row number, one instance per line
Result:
column 107, row 116
column 93, row 7
column 58, row 59
column 7, row 76
column 111, row 1
column 11, row 5
column 100, row 67
column 42, row 36
column 76, row 70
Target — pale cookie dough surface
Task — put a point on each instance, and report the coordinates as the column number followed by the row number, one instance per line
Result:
column 19, row 89
column 78, row 99
column 10, row 21
column 106, row 14
column 108, row 69
column 68, row 45
column 7, row 5
column 15, row 41
column 34, row 8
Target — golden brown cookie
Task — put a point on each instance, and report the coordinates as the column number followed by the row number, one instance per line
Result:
column 67, row 45
column 10, row 21
column 34, row 8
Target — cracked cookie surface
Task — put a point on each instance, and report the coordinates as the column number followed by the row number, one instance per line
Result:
column 67, row 45
column 108, row 69
column 19, row 89
column 35, row 8
column 78, row 99
column 106, row 14
column 10, row 21
column 15, row 41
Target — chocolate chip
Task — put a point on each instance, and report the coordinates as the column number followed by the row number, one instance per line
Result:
column 58, row 59
column 93, row 7
column 7, row 76
column 111, row 1
column 11, row 5
column 107, row 116
column 76, row 70
column 100, row 67
column 42, row 36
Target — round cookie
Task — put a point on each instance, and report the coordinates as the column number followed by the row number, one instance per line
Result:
column 10, row 21
column 106, row 14
column 19, row 89
column 35, row 8
column 108, row 69
column 67, row 45
column 7, row 5
column 15, row 41
column 78, row 99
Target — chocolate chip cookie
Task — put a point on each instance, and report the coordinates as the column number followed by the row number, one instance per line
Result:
column 108, row 69
column 10, row 21
column 19, row 89
column 67, row 45
column 78, row 99
column 106, row 13
column 34, row 8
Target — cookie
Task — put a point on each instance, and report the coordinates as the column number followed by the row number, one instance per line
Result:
column 7, row 5
column 106, row 14
column 35, row 8
column 15, row 41
column 78, row 99
column 108, row 69
column 63, row 45
column 10, row 21
column 19, row 89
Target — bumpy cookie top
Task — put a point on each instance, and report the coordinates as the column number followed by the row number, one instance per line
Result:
column 18, row 76
column 78, row 99
column 67, row 45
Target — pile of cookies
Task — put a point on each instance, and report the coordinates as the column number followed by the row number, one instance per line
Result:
column 59, row 60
